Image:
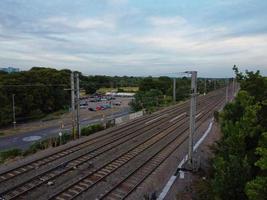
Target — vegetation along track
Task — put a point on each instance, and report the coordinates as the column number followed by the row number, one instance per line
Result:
column 32, row 183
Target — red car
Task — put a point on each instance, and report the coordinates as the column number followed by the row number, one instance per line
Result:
column 100, row 108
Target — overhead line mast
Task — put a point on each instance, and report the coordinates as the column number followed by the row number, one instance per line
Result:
column 192, row 115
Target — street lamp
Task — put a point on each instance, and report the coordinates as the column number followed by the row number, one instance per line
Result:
column 14, row 111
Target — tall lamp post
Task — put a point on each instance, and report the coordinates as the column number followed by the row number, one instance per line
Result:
column 14, row 111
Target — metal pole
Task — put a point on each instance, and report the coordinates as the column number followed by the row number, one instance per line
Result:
column 174, row 90
column 14, row 111
column 72, row 103
column 215, row 84
column 60, row 138
column 78, row 105
column 192, row 116
column 226, row 93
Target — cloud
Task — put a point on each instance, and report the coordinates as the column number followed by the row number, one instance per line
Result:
column 132, row 37
column 167, row 21
column 70, row 24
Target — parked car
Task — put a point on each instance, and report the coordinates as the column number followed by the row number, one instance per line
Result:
column 91, row 109
column 117, row 103
column 99, row 108
column 106, row 106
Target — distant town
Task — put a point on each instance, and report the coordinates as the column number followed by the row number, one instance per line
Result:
column 9, row 69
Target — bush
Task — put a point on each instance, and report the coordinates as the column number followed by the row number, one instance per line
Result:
column 11, row 153
column 66, row 138
column 88, row 130
column 120, row 90
column 36, row 146
column 216, row 116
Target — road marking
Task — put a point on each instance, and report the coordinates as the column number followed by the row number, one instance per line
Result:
column 181, row 175
column 155, row 119
column 177, row 117
column 31, row 138
column 169, row 184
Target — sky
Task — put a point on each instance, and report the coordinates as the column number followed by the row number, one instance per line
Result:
column 135, row 37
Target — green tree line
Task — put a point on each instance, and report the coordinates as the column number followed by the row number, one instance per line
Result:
column 155, row 92
column 38, row 91
column 239, row 169
column 42, row 90
column 92, row 83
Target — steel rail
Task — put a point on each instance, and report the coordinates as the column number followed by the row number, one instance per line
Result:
column 118, row 191
column 11, row 173
column 104, row 166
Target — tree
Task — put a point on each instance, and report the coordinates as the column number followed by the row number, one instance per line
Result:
column 147, row 100
column 38, row 91
column 240, row 161
column 90, row 88
column 256, row 189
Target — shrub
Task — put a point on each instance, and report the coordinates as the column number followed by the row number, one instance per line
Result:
column 36, row 146
column 7, row 154
column 88, row 130
column 216, row 115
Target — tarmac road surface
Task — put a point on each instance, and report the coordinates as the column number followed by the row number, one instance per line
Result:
column 24, row 140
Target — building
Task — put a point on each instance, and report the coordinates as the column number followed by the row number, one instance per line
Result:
column 9, row 69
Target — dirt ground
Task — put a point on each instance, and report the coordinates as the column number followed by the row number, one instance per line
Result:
column 188, row 188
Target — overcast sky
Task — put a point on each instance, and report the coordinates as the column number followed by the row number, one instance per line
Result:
column 135, row 37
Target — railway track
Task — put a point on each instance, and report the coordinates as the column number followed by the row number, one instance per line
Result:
column 130, row 183
column 126, row 133
column 11, row 173
column 93, row 178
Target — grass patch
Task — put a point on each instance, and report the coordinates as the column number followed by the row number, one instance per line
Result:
column 9, row 154
column 82, row 93
column 120, row 89
column 88, row 130
column 54, row 115
column 51, row 142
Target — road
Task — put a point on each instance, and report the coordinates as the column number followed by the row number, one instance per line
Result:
column 24, row 140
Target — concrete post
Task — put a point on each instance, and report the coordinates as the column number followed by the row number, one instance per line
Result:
column 192, row 116
column 78, row 105
column 205, row 87
column 72, row 103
